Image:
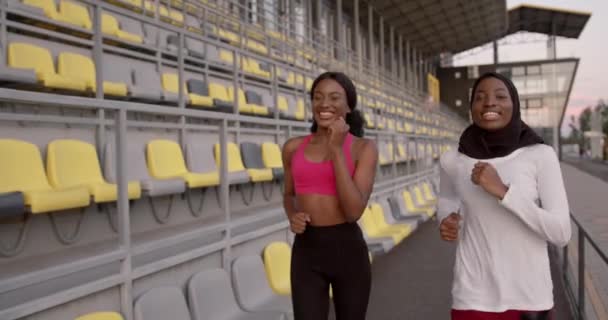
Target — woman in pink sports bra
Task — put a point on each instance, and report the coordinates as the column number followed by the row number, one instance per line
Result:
column 329, row 176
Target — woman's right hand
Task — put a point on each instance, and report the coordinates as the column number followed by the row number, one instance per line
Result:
column 450, row 226
column 297, row 222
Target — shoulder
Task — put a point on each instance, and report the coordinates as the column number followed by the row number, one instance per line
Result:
column 364, row 145
column 541, row 152
column 292, row 144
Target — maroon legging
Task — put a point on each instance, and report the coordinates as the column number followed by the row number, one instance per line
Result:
column 335, row 255
column 507, row 315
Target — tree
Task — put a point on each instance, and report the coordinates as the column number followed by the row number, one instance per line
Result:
column 584, row 120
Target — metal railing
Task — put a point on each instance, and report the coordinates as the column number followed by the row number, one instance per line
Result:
column 578, row 301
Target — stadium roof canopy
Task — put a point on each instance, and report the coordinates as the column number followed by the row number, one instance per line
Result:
column 550, row 21
column 436, row 26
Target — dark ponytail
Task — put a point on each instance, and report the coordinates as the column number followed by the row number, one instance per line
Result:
column 354, row 118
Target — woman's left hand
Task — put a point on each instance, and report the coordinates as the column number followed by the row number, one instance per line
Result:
column 337, row 133
column 486, row 176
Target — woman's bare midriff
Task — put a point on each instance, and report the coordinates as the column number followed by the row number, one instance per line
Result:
column 324, row 210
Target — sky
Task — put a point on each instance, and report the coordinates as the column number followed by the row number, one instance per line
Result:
column 591, row 82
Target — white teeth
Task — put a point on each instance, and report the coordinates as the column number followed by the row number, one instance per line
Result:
column 490, row 116
column 326, row 115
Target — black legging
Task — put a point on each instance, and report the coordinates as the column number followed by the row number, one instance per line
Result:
column 335, row 255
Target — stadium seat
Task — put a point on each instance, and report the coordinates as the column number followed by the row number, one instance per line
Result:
column 211, row 296
column 39, row 59
column 393, row 216
column 14, row 75
column 110, row 25
column 300, row 110
column 257, row 47
column 252, row 159
column 255, row 103
column 226, row 57
column 74, row 163
column 235, row 164
column 277, row 262
column 147, row 84
column 236, row 171
column 428, row 193
column 166, row 160
column 221, row 99
column 137, row 170
column 162, row 303
column 82, row 69
column 419, row 197
column 413, row 208
column 107, row 315
column 75, row 13
column 252, row 289
column 198, row 93
column 22, row 170
column 195, row 48
column 400, row 212
column 282, row 105
column 375, row 233
column 271, row 156
column 399, row 232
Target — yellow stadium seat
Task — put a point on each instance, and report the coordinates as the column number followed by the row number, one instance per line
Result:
column 250, row 108
column 226, row 56
column 229, row 36
column 169, row 15
column 81, row 68
column 401, row 152
column 412, row 208
column 109, row 25
column 398, row 231
column 371, row 228
column 277, row 262
column 282, row 104
column 166, row 160
column 170, row 84
column 75, row 13
column 428, row 193
column 300, row 110
column 291, row 79
column 257, row 47
column 48, row 6
column 74, row 163
column 220, row 92
column 271, row 154
column 28, row 56
column 421, row 198
column 235, row 163
column 21, row 169
column 107, row 315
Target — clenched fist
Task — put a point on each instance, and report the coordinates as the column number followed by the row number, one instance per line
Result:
column 298, row 221
column 450, row 226
column 486, row 176
column 337, row 133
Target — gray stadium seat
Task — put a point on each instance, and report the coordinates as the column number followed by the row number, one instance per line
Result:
column 252, row 157
column 161, row 303
column 150, row 34
column 117, row 69
column 12, row 75
column 195, row 48
column 210, row 296
column 132, row 26
column 147, row 85
column 252, row 289
column 12, row 205
column 389, row 215
column 400, row 212
column 199, row 157
column 138, row 170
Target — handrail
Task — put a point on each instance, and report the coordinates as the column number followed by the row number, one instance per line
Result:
column 579, row 301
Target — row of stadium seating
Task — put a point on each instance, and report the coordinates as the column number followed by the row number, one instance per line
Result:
column 126, row 82
column 73, row 172
column 259, row 285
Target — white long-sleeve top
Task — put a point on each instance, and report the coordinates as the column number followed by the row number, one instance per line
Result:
column 501, row 259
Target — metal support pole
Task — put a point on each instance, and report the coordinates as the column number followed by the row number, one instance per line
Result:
column 358, row 38
column 124, row 223
column 381, row 53
column 370, row 38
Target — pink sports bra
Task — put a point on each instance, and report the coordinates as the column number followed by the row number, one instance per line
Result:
column 318, row 177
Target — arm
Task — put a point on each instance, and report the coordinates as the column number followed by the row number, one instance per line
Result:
column 353, row 193
column 288, row 190
column 552, row 221
column 448, row 199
